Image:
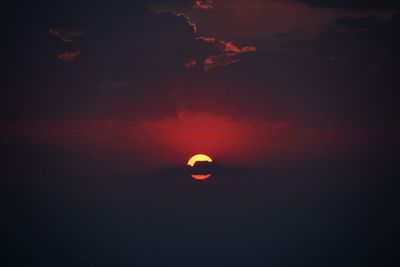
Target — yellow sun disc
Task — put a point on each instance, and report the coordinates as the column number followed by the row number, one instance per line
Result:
column 198, row 157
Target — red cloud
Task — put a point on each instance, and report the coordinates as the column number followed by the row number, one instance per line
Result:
column 222, row 53
column 68, row 56
column 191, row 63
column 203, row 4
column 207, row 39
column 67, row 35
column 229, row 47
column 191, row 23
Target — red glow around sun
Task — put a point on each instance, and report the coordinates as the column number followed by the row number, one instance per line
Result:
column 134, row 146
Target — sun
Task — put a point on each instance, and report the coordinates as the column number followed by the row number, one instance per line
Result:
column 201, row 177
column 198, row 157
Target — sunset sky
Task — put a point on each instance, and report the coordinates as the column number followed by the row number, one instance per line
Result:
column 102, row 103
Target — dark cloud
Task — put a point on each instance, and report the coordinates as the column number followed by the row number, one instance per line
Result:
column 132, row 66
column 66, row 35
column 128, row 44
column 338, row 78
column 367, row 22
column 356, row 4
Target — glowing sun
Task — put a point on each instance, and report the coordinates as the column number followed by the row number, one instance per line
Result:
column 201, row 176
column 198, row 157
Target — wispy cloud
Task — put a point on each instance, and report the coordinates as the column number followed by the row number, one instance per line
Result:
column 65, row 35
column 68, row 56
column 203, row 4
column 221, row 53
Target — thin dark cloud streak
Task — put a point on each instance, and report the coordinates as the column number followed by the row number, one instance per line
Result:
column 354, row 4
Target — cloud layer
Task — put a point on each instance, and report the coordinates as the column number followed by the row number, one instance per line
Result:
column 137, row 66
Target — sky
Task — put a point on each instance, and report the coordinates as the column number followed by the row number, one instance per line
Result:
column 103, row 102
column 302, row 67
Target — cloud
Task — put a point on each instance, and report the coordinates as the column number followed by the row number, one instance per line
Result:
column 203, row 4
column 191, row 63
column 221, row 53
column 214, row 52
column 157, row 62
column 265, row 22
column 354, row 4
column 140, row 49
column 188, row 21
column 68, row 56
column 359, row 23
column 66, row 35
